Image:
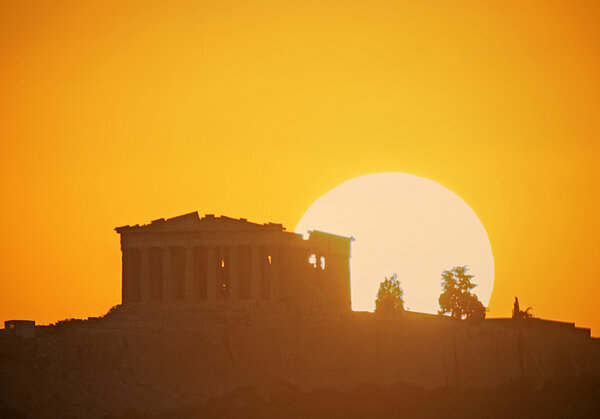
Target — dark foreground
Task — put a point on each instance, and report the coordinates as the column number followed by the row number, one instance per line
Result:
column 188, row 364
column 572, row 398
column 567, row 399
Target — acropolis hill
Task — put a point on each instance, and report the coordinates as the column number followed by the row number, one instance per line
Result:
column 213, row 303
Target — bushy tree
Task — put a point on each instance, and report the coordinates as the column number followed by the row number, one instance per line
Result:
column 456, row 298
column 389, row 297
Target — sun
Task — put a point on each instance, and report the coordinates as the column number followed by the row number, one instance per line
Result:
column 408, row 225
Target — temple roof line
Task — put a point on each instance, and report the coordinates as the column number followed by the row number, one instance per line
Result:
column 193, row 222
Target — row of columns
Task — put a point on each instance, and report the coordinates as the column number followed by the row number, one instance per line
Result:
column 176, row 274
column 216, row 273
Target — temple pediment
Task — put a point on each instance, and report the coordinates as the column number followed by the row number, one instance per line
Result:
column 193, row 222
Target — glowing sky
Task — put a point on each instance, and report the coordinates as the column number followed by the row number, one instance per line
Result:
column 121, row 112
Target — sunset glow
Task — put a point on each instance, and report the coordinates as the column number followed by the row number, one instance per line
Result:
column 116, row 113
column 407, row 225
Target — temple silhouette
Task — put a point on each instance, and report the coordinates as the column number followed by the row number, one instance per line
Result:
column 221, row 263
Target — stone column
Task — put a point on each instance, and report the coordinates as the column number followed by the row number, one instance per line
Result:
column 255, row 273
column 168, row 289
column 211, row 280
column 297, row 278
column 145, row 276
column 283, row 267
column 191, row 292
column 275, row 253
column 124, row 276
column 344, row 277
column 235, row 264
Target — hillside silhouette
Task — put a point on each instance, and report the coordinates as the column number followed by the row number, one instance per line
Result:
column 570, row 398
column 222, row 317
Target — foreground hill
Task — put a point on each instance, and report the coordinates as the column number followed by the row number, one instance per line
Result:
column 160, row 362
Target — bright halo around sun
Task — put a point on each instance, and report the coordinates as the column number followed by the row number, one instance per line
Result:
column 407, row 225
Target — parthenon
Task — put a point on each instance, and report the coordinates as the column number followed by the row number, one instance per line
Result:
column 222, row 263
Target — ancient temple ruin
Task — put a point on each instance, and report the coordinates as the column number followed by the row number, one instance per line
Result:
column 222, row 263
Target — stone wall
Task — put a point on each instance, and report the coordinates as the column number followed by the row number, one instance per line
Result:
column 163, row 360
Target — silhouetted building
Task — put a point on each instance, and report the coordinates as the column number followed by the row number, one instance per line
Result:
column 20, row 328
column 221, row 263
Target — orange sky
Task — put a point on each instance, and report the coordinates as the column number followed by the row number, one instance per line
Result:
column 115, row 114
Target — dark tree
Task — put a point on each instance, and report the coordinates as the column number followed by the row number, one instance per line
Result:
column 456, row 298
column 389, row 297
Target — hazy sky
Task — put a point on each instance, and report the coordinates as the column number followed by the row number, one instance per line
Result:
column 114, row 114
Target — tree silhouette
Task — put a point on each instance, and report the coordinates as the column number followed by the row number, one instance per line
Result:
column 389, row 297
column 456, row 298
